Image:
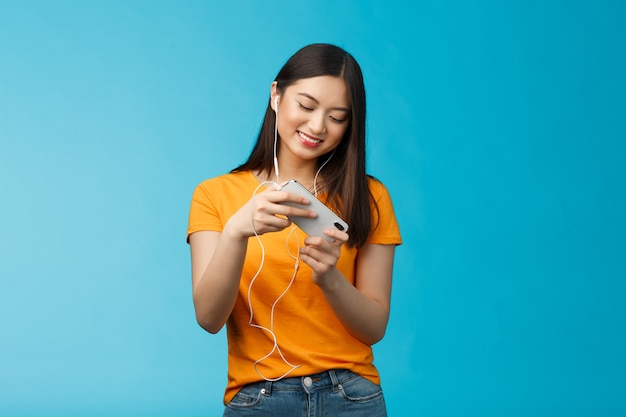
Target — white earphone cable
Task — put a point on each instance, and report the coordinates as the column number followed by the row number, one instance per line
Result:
column 270, row 330
column 276, row 140
column 296, row 258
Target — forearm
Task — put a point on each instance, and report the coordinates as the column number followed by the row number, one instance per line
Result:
column 365, row 318
column 215, row 291
column 217, row 258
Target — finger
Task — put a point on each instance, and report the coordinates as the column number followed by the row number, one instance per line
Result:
column 310, row 259
column 319, row 266
column 295, row 205
column 315, row 241
column 285, row 196
column 271, row 225
column 339, row 237
column 278, row 203
column 328, row 254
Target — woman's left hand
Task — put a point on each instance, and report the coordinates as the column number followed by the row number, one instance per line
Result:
column 321, row 254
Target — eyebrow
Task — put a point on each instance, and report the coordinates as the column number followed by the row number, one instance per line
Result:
column 310, row 97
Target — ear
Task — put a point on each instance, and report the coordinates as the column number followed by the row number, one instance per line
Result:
column 274, row 94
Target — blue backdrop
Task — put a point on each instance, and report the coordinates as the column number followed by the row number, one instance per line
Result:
column 497, row 126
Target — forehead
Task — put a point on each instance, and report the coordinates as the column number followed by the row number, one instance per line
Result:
column 325, row 89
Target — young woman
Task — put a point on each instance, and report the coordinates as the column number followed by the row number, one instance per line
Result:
column 302, row 312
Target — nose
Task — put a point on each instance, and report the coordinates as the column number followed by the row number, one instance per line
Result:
column 317, row 123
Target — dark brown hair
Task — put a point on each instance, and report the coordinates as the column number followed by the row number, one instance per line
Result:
column 345, row 179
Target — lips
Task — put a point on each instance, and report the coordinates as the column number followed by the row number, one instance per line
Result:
column 308, row 140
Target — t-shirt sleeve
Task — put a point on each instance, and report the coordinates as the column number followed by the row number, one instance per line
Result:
column 203, row 214
column 386, row 229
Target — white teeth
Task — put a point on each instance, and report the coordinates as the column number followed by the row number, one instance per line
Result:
column 308, row 139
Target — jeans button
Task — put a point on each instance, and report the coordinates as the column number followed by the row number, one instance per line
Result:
column 308, row 382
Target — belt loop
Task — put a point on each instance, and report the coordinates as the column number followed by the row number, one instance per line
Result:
column 335, row 381
column 267, row 391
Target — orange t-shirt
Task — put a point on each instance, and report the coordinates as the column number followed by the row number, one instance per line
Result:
column 307, row 331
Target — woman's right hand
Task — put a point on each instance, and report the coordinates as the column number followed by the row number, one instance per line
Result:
column 265, row 213
column 217, row 257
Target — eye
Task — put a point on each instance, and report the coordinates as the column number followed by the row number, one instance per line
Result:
column 302, row 106
column 337, row 119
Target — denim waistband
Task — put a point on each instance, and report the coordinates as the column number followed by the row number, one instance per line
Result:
column 331, row 378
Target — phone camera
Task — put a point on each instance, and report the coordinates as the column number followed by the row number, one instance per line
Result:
column 338, row 226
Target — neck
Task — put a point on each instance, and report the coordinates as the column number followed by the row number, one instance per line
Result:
column 306, row 177
column 300, row 170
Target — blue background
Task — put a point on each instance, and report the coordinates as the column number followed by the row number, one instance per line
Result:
column 497, row 126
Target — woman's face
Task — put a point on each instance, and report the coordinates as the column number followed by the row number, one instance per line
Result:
column 313, row 115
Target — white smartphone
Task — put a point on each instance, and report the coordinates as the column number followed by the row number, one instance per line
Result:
column 325, row 219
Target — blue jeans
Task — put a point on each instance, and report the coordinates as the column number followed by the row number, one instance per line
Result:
column 333, row 393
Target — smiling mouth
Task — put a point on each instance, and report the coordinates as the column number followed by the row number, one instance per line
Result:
column 308, row 139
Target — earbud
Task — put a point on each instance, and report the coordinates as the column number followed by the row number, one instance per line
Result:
column 276, row 104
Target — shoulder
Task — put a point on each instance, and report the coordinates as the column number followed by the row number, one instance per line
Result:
column 377, row 189
column 224, row 190
column 214, row 200
column 386, row 229
column 227, row 181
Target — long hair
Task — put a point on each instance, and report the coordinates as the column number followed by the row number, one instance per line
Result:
column 345, row 179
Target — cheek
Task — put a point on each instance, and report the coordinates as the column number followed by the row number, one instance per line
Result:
column 289, row 120
column 337, row 132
